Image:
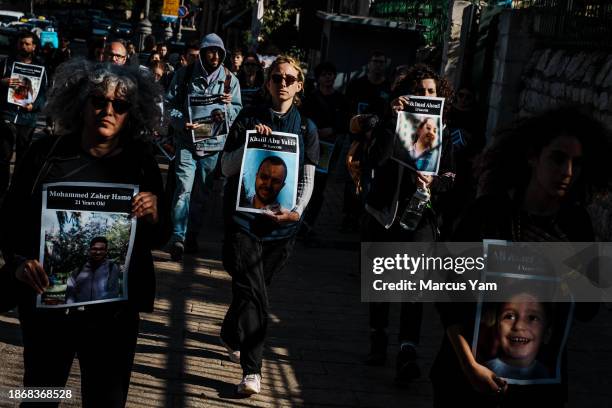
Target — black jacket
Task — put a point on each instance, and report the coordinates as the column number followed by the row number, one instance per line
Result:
column 384, row 183
column 47, row 161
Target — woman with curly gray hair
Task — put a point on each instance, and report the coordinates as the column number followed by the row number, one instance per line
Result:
column 104, row 114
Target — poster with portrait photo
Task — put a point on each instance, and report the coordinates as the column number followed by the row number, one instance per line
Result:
column 269, row 173
column 522, row 336
column 31, row 77
column 210, row 113
column 418, row 134
column 86, row 239
column 326, row 150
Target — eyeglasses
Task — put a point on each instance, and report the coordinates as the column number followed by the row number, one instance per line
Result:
column 278, row 79
column 115, row 56
column 119, row 105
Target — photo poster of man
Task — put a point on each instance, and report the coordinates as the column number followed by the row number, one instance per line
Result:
column 86, row 239
column 210, row 113
column 326, row 149
column 418, row 134
column 521, row 337
column 269, row 173
column 31, row 77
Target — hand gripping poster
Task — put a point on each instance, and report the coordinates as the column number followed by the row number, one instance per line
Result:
column 269, row 173
column 86, row 239
column 521, row 337
column 30, row 78
column 418, row 134
column 210, row 114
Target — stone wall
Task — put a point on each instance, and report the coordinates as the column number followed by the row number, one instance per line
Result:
column 513, row 49
column 555, row 77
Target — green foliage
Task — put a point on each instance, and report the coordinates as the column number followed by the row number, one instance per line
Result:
column 276, row 15
column 67, row 249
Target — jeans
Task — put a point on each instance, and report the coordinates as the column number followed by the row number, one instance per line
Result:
column 103, row 337
column 11, row 134
column 251, row 263
column 187, row 164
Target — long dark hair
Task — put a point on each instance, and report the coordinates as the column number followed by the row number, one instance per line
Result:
column 504, row 164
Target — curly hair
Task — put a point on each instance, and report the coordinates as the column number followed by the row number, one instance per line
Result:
column 76, row 79
column 417, row 73
column 504, row 164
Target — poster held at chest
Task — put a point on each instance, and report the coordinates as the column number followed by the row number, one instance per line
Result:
column 210, row 113
column 269, row 173
column 31, row 77
column 522, row 338
column 418, row 134
column 86, row 239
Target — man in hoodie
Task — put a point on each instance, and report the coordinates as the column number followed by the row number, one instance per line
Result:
column 17, row 122
column 206, row 76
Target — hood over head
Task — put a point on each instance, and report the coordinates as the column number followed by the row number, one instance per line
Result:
column 213, row 40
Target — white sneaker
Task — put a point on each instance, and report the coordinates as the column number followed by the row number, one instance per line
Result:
column 233, row 355
column 250, row 384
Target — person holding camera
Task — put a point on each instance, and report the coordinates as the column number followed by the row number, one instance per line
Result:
column 391, row 190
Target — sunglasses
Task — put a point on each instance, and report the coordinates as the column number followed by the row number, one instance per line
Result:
column 119, row 105
column 278, row 79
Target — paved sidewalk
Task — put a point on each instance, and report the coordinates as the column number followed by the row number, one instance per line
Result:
column 318, row 335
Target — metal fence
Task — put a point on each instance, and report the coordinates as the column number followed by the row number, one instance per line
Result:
column 583, row 23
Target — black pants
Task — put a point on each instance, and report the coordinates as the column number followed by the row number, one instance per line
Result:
column 251, row 263
column 103, row 337
column 411, row 314
column 11, row 134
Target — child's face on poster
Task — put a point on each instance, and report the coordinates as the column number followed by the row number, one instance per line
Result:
column 522, row 327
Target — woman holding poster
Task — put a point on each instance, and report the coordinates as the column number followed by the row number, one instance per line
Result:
column 392, row 187
column 534, row 181
column 259, row 229
column 99, row 191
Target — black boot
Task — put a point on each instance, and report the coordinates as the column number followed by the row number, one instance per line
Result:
column 378, row 350
column 406, row 367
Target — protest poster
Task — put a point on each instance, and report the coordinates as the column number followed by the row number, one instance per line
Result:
column 164, row 138
column 522, row 337
column 49, row 37
column 269, row 173
column 31, row 77
column 418, row 134
column 211, row 114
column 326, row 149
column 86, row 239
column 165, row 144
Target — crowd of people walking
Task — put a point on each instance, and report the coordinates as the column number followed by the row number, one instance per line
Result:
column 108, row 114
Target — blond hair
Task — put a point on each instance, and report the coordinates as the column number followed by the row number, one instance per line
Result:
column 286, row 59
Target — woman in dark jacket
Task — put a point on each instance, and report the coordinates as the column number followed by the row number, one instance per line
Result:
column 103, row 112
column 534, row 181
column 391, row 187
column 257, row 246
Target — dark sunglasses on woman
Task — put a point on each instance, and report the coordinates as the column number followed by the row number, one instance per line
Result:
column 120, row 106
column 278, row 79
